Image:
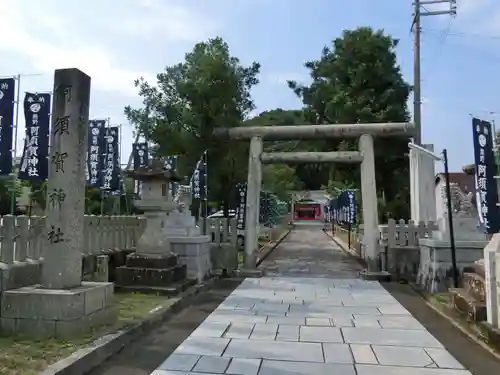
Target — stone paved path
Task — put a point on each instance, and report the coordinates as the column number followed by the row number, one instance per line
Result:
column 308, row 252
column 310, row 326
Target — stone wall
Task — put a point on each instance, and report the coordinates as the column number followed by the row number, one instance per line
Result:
column 403, row 263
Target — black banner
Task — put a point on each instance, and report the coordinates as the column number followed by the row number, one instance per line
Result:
column 7, row 98
column 35, row 159
column 171, row 165
column 486, row 187
column 96, row 148
column 241, row 202
column 140, row 155
column 111, row 172
column 198, row 179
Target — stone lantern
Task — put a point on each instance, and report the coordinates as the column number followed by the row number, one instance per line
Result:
column 157, row 204
column 153, row 266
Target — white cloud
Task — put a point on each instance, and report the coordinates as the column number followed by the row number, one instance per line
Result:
column 166, row 19
column 51, row 36
column 114, row 42
column 281, row 78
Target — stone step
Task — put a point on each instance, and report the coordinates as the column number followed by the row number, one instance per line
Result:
column 169, row 291
column 465, row 303
column 129, row 276
column 474, row 284
column 148, row 261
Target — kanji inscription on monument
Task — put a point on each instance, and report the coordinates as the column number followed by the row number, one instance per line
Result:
column 66, row 183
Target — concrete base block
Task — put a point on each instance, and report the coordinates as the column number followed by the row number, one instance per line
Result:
column 246, row 272
column 382, row 276
column 40, row 313
column 194, row 253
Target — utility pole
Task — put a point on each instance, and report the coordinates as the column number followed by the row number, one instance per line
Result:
column 419, row 11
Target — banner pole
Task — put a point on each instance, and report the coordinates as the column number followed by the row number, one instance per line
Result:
column 14, row 147
column 121, row 184
column 103, row 192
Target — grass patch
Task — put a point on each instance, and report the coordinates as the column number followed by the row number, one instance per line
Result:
column 443, row 302
column 28, row 357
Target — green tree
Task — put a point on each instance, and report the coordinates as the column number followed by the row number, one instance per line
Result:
column 357, row 80
column 280, row 179
column 209, row 89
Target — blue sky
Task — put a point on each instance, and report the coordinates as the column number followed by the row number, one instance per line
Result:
column 117, row 41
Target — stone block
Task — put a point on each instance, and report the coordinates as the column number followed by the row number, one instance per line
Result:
column 224, row 256
column 153, row 261
column 40, row 313
column 474, row 285
column 102, row 269
column 465, row 303
column 129, row 276
column 194, row 253
column 17, row 275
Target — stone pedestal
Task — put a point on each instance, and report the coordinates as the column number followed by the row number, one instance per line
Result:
column 464, row 229
column 191, row 247
column 153, row 267
column 435, row 273
column 62, row 306
column 149, row 273
column 194, row 253
column 40, row 313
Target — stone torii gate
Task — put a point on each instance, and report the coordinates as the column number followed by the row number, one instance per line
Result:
column 365, row 156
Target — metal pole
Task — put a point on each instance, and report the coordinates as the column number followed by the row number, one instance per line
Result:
column 450, row 219
column 105, row 161
column 119, row 203
column 417, row 97
column 14, row 147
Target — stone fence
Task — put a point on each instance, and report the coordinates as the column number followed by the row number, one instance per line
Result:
column 22, row 236
column 22, row 240
column 421, row 253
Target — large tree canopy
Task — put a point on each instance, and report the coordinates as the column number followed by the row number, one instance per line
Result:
column 209, row 89
column 357, row 80
column 279, row 178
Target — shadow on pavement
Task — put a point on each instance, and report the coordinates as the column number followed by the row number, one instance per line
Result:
column 144, row 355
column 471, row 355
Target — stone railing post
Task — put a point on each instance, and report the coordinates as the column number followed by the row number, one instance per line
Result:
column 37, row 226
column 22, row 238
column 8, row 239
column 87, row 235
column 105, row 232
column 121, row 233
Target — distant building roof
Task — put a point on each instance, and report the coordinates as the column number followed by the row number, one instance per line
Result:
column 465, row 182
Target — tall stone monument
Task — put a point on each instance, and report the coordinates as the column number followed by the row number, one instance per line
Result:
column 62, row 306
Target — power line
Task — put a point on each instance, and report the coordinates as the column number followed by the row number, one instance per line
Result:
column 421, row 11
column 444, row 33
column 464, row 34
